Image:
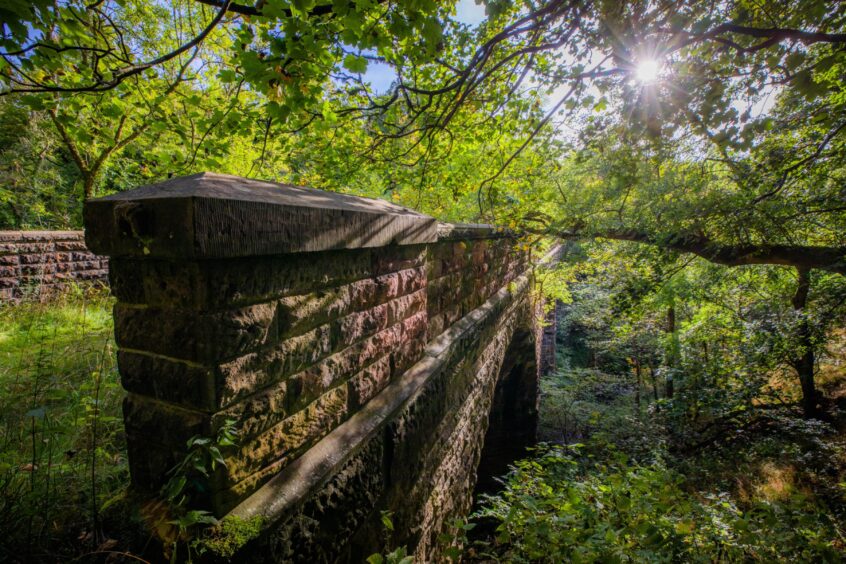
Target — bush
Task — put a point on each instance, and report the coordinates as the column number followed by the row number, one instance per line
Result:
column 562, row 506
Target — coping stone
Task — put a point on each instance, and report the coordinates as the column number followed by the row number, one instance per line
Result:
column 210, row 215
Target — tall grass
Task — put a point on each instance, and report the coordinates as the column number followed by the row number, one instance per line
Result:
column 62, row 450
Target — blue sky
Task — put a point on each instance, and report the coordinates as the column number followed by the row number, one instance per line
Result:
column 380, row 76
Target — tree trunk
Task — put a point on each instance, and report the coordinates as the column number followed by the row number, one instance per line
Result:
column 637, row 389
column 797, row 256
column 654, row 382
column 803, row 363
column 89, row 179
column 672, row 360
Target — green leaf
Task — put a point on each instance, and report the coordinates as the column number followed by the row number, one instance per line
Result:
column 355, row 63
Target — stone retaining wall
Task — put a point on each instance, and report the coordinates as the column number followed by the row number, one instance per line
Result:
column 35, row 263
column 354, row 345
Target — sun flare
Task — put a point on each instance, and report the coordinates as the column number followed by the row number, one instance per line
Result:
column 647, row 71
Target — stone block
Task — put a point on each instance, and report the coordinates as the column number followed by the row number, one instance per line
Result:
column 368, row 383
column 37, row 258
column 149, row 462
column 163, row 423
column 217, row 216
column 359, row 325
column 286, row 439
column 35, row 269
column 247, row 374
column 210, row 337
column 323, row 527
column 70, row 245
column 167, row 379
column 406, row 306
column 395, row 258
column 307, row 385
column 91, row 275
column 8, row 271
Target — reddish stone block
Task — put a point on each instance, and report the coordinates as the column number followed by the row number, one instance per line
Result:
column 356, row 326
column 70, row 246
column 408, row 353
column 36, row 258
column 394, row 258
column 288, row 438
column 368, row 383
column 245, row 375
column 81, row 256
column 415, row 327
column 30, row 269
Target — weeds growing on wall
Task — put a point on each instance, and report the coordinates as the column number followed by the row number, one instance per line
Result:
column 62, row 452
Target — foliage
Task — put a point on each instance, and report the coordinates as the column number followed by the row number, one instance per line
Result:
column 396, row 556
column 558, row 505
column 175, row 517
column 63, row 460
column 724, row 469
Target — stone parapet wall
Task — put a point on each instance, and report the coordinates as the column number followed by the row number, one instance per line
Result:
column 285, row 363
column 413, row 450
column 466, row 266
column 354, row 345
column 37, row 263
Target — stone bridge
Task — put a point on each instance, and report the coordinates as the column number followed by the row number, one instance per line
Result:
column 370, row 358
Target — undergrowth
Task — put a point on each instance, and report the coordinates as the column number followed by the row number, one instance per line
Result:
column 62, row 449
column 767, row 486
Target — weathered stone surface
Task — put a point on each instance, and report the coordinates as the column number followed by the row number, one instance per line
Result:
column 168, row 379
column 209, row 337
column 251, row 372
column 283, row 440
column 369, row 382
column 216, row 284
column 305, row 386
column 215, row 216
column 38, row 263
column 163, row 423
column 321, row 527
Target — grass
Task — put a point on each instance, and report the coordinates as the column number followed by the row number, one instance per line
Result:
column 62, row 450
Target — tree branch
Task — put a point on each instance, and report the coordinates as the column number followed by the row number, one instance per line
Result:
column 831, row 259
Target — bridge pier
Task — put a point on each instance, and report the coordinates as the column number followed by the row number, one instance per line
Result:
column 358, row 348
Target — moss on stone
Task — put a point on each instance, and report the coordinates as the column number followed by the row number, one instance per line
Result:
column 231, row 533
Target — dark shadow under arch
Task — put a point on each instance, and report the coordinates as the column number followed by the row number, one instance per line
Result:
column 513, row 419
